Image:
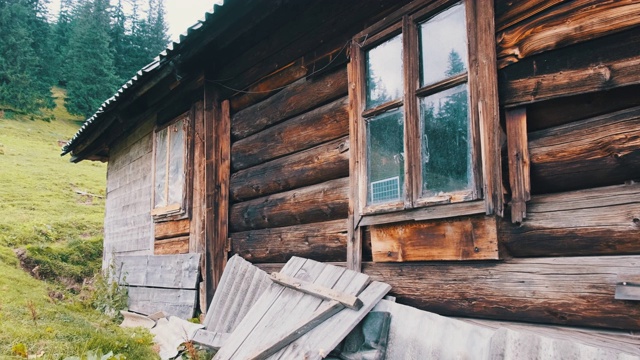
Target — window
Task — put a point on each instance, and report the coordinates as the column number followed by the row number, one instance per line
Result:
column 418, row 132
column 170, row 168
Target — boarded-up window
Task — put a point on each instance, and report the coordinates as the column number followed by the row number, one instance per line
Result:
column 170, row 168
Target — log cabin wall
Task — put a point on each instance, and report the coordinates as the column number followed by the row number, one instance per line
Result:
column 289, row 183
column 128, row 227
column 569, row 83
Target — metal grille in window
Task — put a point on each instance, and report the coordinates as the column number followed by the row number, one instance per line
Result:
column 386, row 189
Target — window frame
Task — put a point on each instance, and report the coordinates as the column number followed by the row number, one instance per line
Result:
column 406, row 21
column 179, row 210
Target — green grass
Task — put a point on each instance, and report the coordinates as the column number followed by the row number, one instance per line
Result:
column 38, row 195
column 58, row 231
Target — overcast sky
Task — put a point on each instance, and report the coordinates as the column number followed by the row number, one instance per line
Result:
column 180, row 13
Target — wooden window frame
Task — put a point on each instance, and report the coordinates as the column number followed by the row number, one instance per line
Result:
column 485, row 193
column 179, row 210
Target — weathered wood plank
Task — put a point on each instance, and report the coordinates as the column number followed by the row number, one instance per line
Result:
column 319, row 316
column 509, row 13
column 518, row 155
column 268, row 310
column 600, row 221
column 325, row 241
column 240, row 287
column 488, row 107
column 350, row 301
column 211, row 339
column 211, row 115
column 628, row 286
column 171, row 229
column 177, row 302
column 178, row 245
column 470, row 238
column 576, row 291
column 600, row 151
column 222, row 165
column 594, row 78
column 322, row 163
column 566, row 24
column 265, row 87
column 197, row 226
column 315, row 345
column 169, row 271
column 302, row 132
column 297, row 98
column 316, row 203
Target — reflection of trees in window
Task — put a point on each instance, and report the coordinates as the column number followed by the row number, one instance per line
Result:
column 385, row 139
column 446, row 143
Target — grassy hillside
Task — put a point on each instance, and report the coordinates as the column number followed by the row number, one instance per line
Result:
column 38, row 199
column 48, row 218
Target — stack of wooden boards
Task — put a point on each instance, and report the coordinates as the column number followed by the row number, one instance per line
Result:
column 305, row 312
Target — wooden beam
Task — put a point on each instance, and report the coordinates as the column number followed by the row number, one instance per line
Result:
column 170, row 229
column 488, row 108
column 211, row 114
column 628, row 287
column 268, row 85
column 470, row 238
column 324, row 241
column 316, row 203
column 509, row 13
column 322, row 292
column 178, row 245
column 600, row 151
column 518, row 155
column 296, row 99
column 324, row 162
column 566, row 24
column 302, row 132
column 575, row 291
column 198, row 203
column 324, row 312
column 599, row 221
column 356, row 88
column 222, row 166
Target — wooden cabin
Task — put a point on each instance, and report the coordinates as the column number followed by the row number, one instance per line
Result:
column 479, row 156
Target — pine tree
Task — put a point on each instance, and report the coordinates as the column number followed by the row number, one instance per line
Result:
column 91, row 74
column 24, row 80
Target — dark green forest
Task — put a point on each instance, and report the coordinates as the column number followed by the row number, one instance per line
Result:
column 91, row 47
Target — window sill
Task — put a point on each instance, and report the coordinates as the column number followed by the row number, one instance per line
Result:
column 426, row 213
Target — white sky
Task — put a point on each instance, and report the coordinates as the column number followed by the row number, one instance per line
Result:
column 180, row 13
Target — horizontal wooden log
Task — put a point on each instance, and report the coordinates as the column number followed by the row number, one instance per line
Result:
column 601, row 151
column 566, row 24
column 179, row 245
column 315, row 127
column 600, row 221
column 470, row 238
column 576, row 291
column 565, row 110
column 319, row 164
column 175, row 271
column 509, row 13
column 317, row 203
column 171, row 229
column 325, row 241
column 296, row 99
column 268, row 85
column 176, row 302
column 572, row 82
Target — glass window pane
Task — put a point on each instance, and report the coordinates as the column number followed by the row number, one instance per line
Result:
column 176, row 163
column 385, row 156
column 384, row 72
column 446, row 141
column 161, row 168
column 443, row 46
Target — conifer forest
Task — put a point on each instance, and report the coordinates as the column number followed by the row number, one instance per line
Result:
column 89, row 47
